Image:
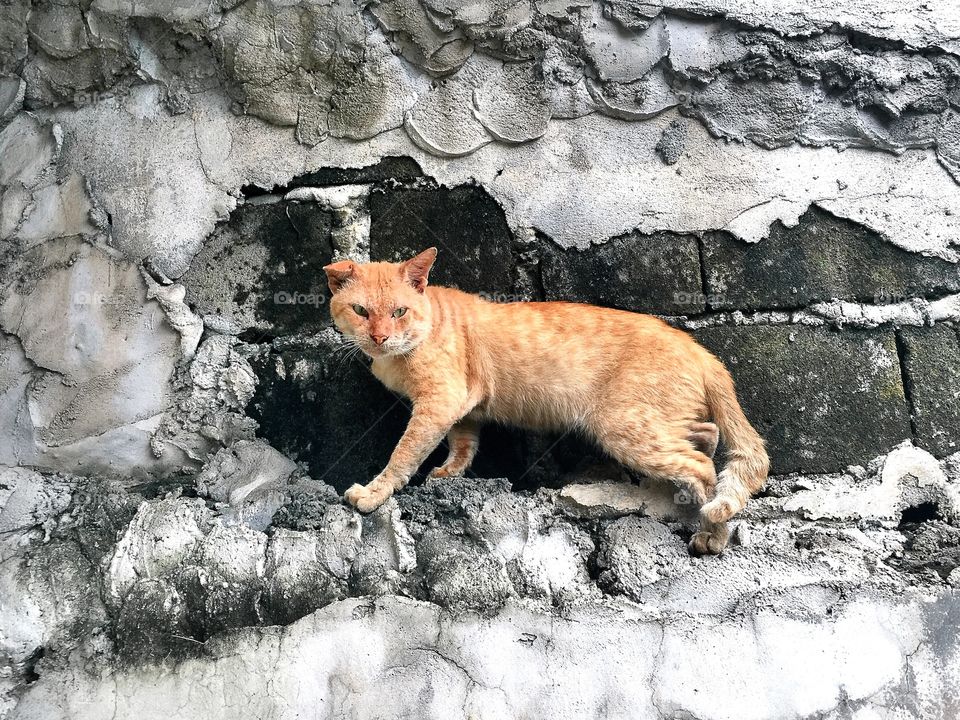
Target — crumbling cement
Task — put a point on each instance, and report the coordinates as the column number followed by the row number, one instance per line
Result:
column 173, row 587
column 741, row 78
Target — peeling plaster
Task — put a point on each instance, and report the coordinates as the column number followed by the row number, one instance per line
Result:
column 157, row 558
column 796, row 593
column 569, row 184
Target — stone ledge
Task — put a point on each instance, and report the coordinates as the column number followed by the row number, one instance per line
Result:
column 156, row 588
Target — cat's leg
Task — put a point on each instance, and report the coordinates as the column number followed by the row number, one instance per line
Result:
column 464, row 439
column 712, row 536
column 686, row 467
column 705, row 436
column 431, row 420
column 666, row 451
column 659, row 450
column 695, row 472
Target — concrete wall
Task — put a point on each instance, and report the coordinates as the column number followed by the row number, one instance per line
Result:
column 177, row 414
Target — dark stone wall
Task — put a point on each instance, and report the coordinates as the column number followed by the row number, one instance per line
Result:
column 824, row 398
column 657, row 273
column 464, row 223
column 931, row 364
column 821, row 258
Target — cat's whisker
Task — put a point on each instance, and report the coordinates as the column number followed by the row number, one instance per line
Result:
column 346, row 353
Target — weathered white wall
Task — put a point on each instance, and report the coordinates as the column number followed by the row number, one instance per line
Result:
column 137, row 140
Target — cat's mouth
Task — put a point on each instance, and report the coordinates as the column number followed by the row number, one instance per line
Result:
column 385, row 350
column 376, row 352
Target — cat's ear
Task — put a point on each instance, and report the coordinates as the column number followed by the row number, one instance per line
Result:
column 339, row 273
column 417, row 268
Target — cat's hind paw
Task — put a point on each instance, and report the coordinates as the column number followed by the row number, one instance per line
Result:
column 442, row 472
column 707, row 543
column 718, row 510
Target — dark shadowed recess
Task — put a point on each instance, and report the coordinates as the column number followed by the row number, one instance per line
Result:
column 392, row 168
column 464, row 223
column 262, row 271
column 338, row 419
column 823, row 399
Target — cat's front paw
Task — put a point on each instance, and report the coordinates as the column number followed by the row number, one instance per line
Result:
column 442, row 472
column 367, row 498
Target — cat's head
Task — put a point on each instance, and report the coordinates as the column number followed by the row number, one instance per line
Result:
column 382, row 307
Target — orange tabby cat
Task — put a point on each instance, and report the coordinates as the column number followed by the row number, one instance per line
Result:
column 642, row 389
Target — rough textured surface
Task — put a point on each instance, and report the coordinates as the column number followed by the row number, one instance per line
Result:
column 822, row 258
column 177, row 416
column 167, row 588
column 653, row 273
column 931, row 359
column 263, row 270
column 94, row 355
column 810, row 408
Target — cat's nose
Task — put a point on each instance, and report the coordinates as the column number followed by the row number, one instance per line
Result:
column 379, row 339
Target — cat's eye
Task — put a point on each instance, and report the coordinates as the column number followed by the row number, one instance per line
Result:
column 399, row 312
column 360, row 310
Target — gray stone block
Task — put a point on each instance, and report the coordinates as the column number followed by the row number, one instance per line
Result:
column 822, row 258
column 931, row 359
column 262, row 270
column 823, row 400
column 657, row 273
column 464, row 223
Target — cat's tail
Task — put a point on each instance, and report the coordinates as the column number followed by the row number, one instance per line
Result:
column 747, row 461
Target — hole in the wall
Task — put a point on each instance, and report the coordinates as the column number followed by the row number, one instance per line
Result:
column 920, row 513
column 931, row 545
column 30, row 665
column 326, row 410
column 256, row 337
column 391, row 168
column 315, row 403
column 252, row 191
